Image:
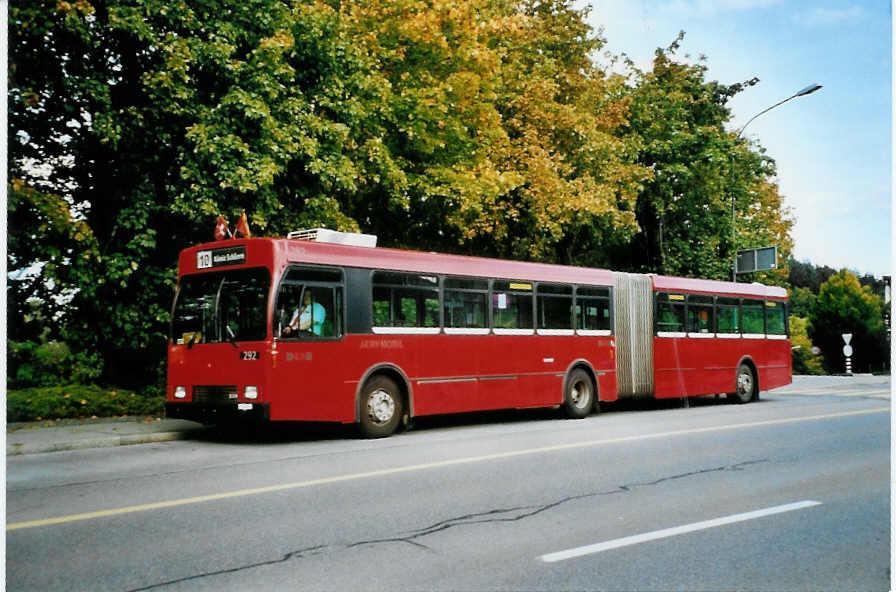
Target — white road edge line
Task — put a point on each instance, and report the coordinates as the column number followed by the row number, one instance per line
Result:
column 670, row 532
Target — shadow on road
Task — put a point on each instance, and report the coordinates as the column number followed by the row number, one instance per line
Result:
column 290, row 432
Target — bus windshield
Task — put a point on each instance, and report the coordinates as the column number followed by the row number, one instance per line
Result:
column 224, row 306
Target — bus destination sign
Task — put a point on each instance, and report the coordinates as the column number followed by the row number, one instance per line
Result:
column 220, row 257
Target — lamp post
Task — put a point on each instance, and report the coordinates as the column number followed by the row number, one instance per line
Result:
column 800, row 93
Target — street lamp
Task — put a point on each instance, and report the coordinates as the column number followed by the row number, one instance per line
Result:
column 800, row 93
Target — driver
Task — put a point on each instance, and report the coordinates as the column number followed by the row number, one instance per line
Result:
column 309, row 317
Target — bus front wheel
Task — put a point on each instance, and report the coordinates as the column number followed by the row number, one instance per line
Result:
column 745, row 386
column 381, row 408
column 578, row 398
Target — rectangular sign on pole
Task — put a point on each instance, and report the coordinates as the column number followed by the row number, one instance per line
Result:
column 761, row 259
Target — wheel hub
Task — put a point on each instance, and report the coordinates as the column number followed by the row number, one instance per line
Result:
column 380, row 406
column 745, row 383
column 579, row 394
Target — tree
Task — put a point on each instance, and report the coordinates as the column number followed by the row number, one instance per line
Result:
column 503, row 127
column 804, row 274
column 149, row 118
column 803, row 359
column 479, row 126
column 699, row 169
column 844, row 306
column 802, row 302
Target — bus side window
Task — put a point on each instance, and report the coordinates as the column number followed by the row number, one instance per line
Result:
column 775, row 318
column 465, row 303
column 309, row 304
column 330, row 300
column 554, row 306
column 700, row 314
column 670, row 313
column 512, row 305
column 728, row 315
column 754, row 316
column 288, row 301
column 592, row 309
column 405, row 300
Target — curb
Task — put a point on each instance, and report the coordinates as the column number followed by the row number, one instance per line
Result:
column 22, row 448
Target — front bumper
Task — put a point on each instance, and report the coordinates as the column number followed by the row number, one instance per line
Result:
column 212, row 413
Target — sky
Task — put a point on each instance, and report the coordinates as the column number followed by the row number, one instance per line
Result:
column 832, row 147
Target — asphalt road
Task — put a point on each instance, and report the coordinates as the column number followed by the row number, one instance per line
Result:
column 790, row 493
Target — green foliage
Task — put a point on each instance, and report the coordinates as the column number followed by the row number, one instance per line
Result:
column 845, row 306
column 803, row 274
column 43, row 364
column 699, row 171
column 73, row 401
column 482, row 127
column 804, row 361
column 802, row 302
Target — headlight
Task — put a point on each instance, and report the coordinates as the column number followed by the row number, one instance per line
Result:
column 251, row 392
column 180, row 392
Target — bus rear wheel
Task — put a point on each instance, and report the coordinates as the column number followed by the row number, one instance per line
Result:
column 381, row 408
column 578, row 398
column 745, row 386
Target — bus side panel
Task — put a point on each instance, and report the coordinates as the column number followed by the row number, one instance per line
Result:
column 607, row 386
column 774, row 363
column 444, row 376
column 523, row 371
column 318, row 381
column 720, row 357
column 306, row 382
column 691, row 366
column 669, row 367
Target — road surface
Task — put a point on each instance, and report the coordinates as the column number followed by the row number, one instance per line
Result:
column 789, row 493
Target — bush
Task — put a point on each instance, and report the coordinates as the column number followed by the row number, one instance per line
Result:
column 75, row 400
column 46, row 364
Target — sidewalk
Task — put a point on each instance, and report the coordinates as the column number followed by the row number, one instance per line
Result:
column 77, row 434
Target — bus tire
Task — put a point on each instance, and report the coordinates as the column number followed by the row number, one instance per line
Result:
column 381, row 407
column 578, row 395
column 745, row 385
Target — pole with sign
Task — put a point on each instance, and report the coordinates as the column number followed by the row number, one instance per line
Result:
column 847, row 351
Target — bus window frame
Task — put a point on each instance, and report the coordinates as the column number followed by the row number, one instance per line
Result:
column 775, row 304
column 487, row 329
column 656, row 314
column 609, row 298
column 334, row 286
column 728, row 306
column 571, row 330
column 510, row 290
column 403, row 329
column 754, row 302
column 687, row 315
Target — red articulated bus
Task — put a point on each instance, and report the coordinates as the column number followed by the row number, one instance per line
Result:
column 309, row 328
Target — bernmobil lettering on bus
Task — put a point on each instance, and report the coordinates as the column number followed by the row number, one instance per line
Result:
column 326, row 326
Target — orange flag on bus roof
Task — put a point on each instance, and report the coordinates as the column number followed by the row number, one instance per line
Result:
column 243, row 225
column 221, row 229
